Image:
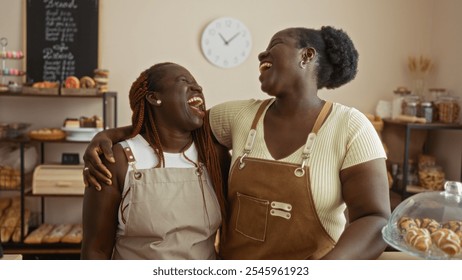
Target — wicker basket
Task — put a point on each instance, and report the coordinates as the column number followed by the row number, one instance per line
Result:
column 47, row 134
column 9, row 178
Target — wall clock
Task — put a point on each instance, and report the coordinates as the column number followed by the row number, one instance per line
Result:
column 226, row 42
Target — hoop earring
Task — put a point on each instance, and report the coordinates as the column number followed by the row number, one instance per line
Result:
column 302, row 64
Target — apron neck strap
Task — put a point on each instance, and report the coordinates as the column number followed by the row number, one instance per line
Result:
column 322, row 116
column 253, row 132
column 317, row 125
column 259, row 113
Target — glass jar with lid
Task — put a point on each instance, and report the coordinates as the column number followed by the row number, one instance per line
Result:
column 435, row 93
column 398, row 101
column 448, row 109
column 426, row 111
column 410, row 105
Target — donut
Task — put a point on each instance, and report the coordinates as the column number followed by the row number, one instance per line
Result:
column 87, row 82
column 101, row 72
column 72, row 82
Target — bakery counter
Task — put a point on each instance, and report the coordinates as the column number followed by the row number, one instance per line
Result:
column 43, row 251
column 392, row 255
column 9, row 257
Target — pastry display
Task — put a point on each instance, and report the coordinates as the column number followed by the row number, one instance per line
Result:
column 94, row 121
column 421, row 233
column 71, row 123
column 45, row 84
column 87, row 82
column 428, row 224
column 101, row 78
column 76, row 86
column 72, row 82
column 45, row 134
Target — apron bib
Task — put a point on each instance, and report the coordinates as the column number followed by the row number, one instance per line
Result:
column 272, row 213
column 173, row 214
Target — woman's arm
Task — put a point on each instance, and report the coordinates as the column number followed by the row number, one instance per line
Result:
column 101, row 144
column 100, row 210
column 366, row 194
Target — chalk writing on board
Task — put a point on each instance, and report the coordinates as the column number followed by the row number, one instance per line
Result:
column 62, row 38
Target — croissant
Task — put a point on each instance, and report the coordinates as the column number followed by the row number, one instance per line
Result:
column 405, row 223
column 418, row 238
column 453, row 225
column 430, row 224
column 447, row 240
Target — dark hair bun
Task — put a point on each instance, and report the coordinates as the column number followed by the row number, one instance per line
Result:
column 342, row 54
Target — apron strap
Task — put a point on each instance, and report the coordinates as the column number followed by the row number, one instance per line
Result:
column 130, row 158
column 322, row 116
column 300, row 171
column 253, row 132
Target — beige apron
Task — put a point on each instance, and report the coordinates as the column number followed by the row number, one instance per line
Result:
column 272, row 213
column 173, row 214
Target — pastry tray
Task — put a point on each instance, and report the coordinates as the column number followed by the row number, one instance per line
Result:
column 394, row 238
column 81, row 134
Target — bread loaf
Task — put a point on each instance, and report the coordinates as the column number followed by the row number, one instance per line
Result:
column 74, row 235
column 447, row 240
column 57, row 233
column 8, row 222
column 4, row 204
column 16, row 237
column 419, row 238
column 37, row 235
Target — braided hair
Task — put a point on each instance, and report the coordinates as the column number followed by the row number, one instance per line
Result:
column 143, row 122
column 337, row 56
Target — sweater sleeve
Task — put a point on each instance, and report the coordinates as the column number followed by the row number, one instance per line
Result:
column 222, row 117
column 364, row 143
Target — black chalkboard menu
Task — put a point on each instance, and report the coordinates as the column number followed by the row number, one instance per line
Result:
column 62, row 39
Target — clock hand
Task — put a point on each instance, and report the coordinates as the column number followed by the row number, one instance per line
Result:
column 222, row 38
column 232, row 38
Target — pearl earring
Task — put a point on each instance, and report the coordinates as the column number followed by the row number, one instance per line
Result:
column 158, row 102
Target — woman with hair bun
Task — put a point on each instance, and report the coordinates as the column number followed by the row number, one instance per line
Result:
column 298, row 162
column 166, row 170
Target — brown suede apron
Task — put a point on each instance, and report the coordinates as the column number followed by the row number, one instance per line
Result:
column 272, row 214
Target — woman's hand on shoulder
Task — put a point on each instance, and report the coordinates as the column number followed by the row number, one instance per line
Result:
column 95, row 171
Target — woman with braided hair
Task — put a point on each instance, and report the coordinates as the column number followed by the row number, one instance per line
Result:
column 161, row 204
column 298, row 162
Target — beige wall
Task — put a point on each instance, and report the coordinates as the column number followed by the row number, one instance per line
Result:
column 138, row 33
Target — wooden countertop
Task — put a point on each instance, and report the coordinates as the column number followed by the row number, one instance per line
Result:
column 7, row 257
column 397, row 256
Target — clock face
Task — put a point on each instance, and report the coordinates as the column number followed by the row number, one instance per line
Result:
column 226, row 42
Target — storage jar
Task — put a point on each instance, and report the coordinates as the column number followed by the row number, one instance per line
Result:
column 448, row 109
